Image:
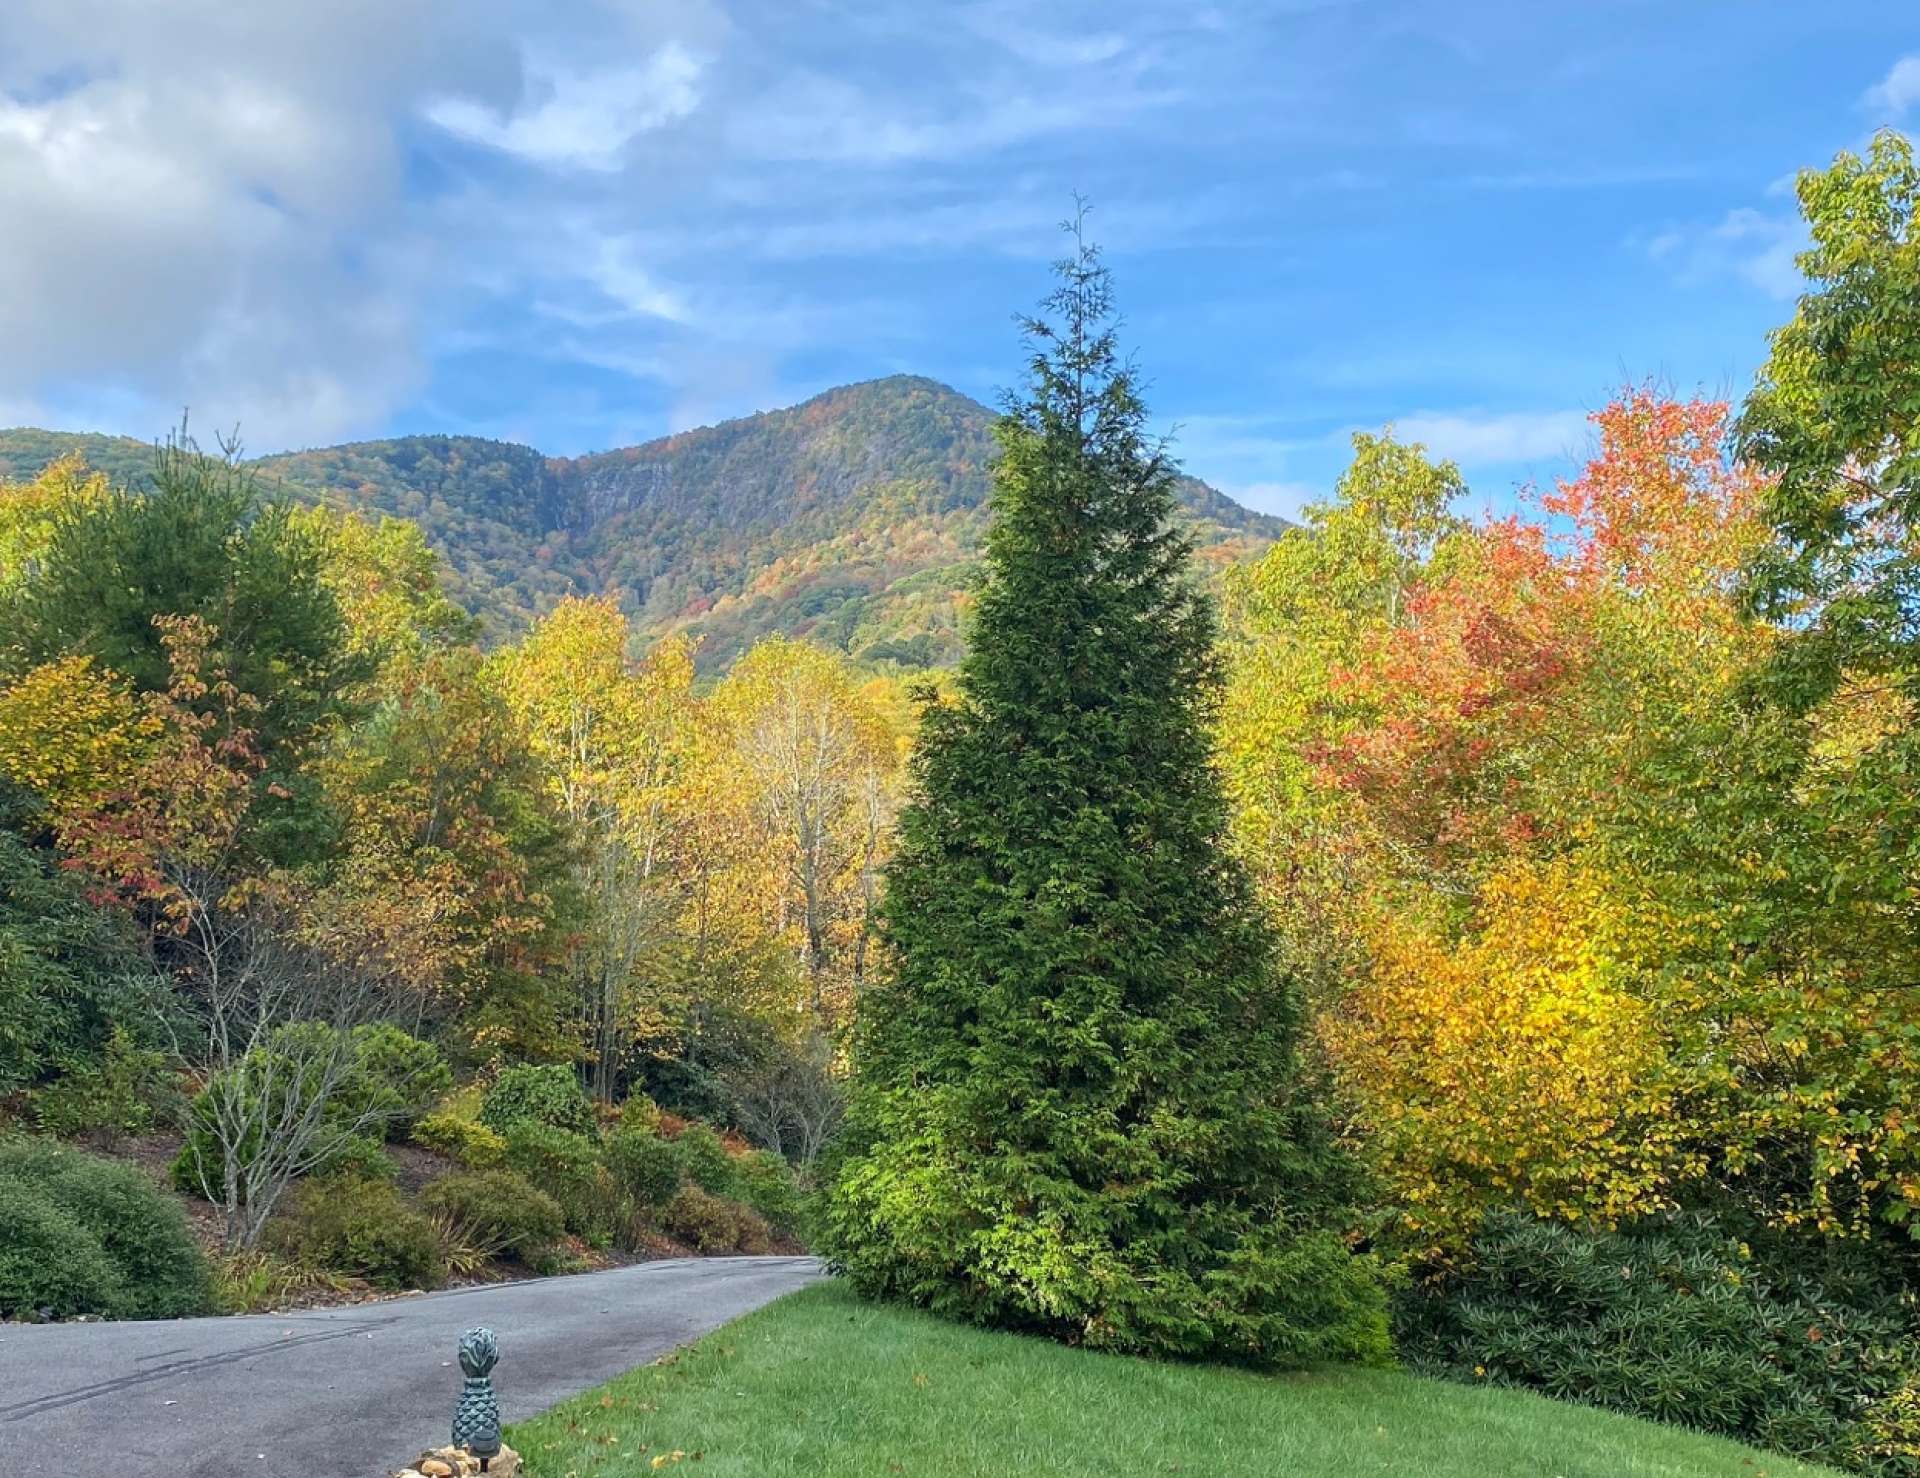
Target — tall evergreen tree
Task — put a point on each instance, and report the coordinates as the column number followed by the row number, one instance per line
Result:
column 1076, row 1103
column 199, row 541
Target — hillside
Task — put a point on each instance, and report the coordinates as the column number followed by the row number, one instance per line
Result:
column 853, row 518
column 862, row 1390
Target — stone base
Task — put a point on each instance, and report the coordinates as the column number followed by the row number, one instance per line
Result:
column 457, row 1462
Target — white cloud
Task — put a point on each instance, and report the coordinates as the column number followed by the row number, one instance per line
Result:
column 582, row 120
column 1496, row 436
column 307, row 216
column 230, row 234
column 1011, row 27
column 616, row 271
column 818, row 118
column 1898, row 91
column 1749, row 245
column 1283, row 498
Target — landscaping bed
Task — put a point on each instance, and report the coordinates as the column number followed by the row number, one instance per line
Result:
column 523, row 1180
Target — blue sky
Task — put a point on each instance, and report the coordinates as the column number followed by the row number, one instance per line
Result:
column 583, row 225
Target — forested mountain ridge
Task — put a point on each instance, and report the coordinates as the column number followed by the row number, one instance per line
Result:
column 854, row 518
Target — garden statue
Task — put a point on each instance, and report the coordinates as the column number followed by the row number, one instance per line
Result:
column 476, row 1421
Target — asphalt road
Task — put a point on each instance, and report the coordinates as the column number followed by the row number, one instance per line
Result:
column 342, row 1393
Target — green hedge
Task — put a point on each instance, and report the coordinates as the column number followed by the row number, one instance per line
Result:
column 50, row 1267
column 1679, row 1321
column 121, row 1247
column 645, row 1166
column 548, row 1095
column 497, row 1213
column 715, row 1224
column 365, row 1229
column 568, row 1167
column 708, row 1165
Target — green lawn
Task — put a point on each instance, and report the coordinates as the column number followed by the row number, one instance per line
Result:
column 820, row 1383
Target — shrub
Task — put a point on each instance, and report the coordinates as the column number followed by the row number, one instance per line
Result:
column 640, row 1113
column 470, row 1142
column 123, row 1093
column 70, row 974
column 714, row 1224
column 199, row 1168
column 497, row 1212
column 567, row 1166
column 358, row 1157
column 550, row 1262
column 48, row 1262
column 547, row 1095
column 708, row 1165
column 379, row 1088
column 157, row 1269
column 766, row 1182
column 363, row 1228
column 195, row 1170
column 397, row 1077
column 645, row 1166
column 1678, row 1321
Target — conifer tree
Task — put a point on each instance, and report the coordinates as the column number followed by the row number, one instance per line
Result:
column 1076, row 1106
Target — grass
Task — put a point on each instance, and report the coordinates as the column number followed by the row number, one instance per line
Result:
column 820, row 1383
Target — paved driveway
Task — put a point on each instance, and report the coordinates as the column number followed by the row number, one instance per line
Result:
column 342, row 1393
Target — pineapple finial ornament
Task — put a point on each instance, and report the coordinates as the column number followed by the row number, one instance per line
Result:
column 476, row 1421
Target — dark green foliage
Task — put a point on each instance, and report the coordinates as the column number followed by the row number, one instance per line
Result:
column 397, row 1078
column 1076, row 1106
column 358, row 1157
column 766, row 1183
column 497, row 1212
column 645, row 1165
column 197, row 542
column 713, row 1224
column 568, row 1167
column 49, row 1265
column 390, row 1078
column 693, row 1071
column 116, row 1218
column 1680, row 1322
column 873, row 497
column 549, row 1095
column 362, row 1228
column 127, row 1091
column 1835, row 418
column 70, row 976
column 708, row 1165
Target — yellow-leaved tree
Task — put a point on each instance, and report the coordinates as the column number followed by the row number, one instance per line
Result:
column 817, row 756
column 613, row 739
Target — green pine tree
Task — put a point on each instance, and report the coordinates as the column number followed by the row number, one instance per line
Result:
column 1076, row 1101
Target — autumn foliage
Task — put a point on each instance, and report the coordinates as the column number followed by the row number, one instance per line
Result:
column 1586, row 963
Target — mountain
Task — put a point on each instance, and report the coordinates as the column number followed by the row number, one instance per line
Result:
column 854, row 518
